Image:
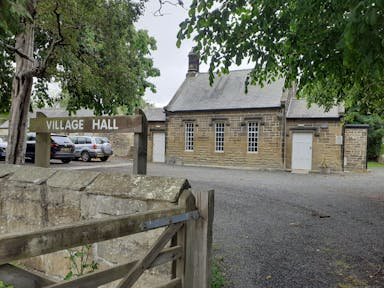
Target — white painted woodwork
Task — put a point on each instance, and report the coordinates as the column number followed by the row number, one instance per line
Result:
column 158, row 147
column 302, row 151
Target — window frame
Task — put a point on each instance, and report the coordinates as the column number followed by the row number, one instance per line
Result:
column 219, row 137
column 189, row 136
column 253, row 137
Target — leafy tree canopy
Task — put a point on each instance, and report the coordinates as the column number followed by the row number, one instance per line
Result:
column 99, row 58
column 333, row 50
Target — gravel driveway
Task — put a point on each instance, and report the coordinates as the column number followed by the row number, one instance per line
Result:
column 277, row 229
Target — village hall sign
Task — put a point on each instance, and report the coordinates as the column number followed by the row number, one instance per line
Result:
column 137, row 124
column 121, row 124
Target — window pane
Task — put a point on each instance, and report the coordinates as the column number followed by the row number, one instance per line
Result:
column 253, row 136
column 189, row 137
column 219, row 137
column 98, row 141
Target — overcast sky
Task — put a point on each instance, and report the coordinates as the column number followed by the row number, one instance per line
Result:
column 171, row 61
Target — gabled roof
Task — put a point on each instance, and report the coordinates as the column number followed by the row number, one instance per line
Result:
column 298, row 109
column 227, row 92
column 154, row 114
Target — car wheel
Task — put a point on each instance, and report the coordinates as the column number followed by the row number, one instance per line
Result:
column 85, row 156
column 65, row 160
column 105, row 158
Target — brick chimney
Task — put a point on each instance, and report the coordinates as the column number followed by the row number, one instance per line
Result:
column 193, row 63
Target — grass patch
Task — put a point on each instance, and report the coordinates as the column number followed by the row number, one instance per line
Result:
column 3, row 117
column 352, row 282
column 218, row 280
column 5, row 285
column 372, row 164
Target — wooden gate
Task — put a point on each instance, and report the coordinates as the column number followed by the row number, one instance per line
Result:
column 188, row 229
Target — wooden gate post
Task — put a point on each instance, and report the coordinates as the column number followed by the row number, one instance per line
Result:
column 140, row 142
column 187, row 200
column 199, row 243
column 42, row 146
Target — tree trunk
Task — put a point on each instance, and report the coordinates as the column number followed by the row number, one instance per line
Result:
column 21, row 94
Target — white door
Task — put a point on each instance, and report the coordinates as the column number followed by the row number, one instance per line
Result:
column 158, row 147
column 302, row 151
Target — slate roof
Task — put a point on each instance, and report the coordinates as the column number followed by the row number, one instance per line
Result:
column 298, row 109
column 154, row 114
column 226, row 93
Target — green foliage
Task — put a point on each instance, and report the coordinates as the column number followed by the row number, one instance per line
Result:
column 10, row 11
column 375, row 165
column 79, row 263
column 375, row 131
column 6, row 73
column 217, row 280
column 102, row 62
column 333, row 50
column 5, row 285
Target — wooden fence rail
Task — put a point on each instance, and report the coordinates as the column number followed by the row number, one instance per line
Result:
column 188, row 225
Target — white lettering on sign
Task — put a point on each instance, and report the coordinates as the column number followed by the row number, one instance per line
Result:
column 104, row 124
column 76, row 124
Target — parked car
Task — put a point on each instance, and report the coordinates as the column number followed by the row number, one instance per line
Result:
column 88, row 147
column 62, row 147
column 3, row 147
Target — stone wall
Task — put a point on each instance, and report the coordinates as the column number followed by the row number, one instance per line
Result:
column 235, row 154
column 326, row 145
column 355, row 148
column 32, row 198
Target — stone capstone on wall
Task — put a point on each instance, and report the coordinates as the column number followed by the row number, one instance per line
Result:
column 33, row 198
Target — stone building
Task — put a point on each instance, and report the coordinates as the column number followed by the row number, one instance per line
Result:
column 265, row 128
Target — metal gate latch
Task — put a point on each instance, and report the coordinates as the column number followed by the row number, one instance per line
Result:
column 161, row 222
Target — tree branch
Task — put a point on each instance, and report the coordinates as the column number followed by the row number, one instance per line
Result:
column 42, row 66
column 15, row 50
column 159, row 12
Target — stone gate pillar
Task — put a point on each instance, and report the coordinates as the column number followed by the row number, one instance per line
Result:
column 355, row 147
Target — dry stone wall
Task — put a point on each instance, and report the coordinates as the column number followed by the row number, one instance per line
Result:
column 32, row 198
column 355, row 149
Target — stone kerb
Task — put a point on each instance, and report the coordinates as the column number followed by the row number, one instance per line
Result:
column 32, row 198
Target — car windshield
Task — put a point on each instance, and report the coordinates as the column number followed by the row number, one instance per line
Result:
column 60, row 139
